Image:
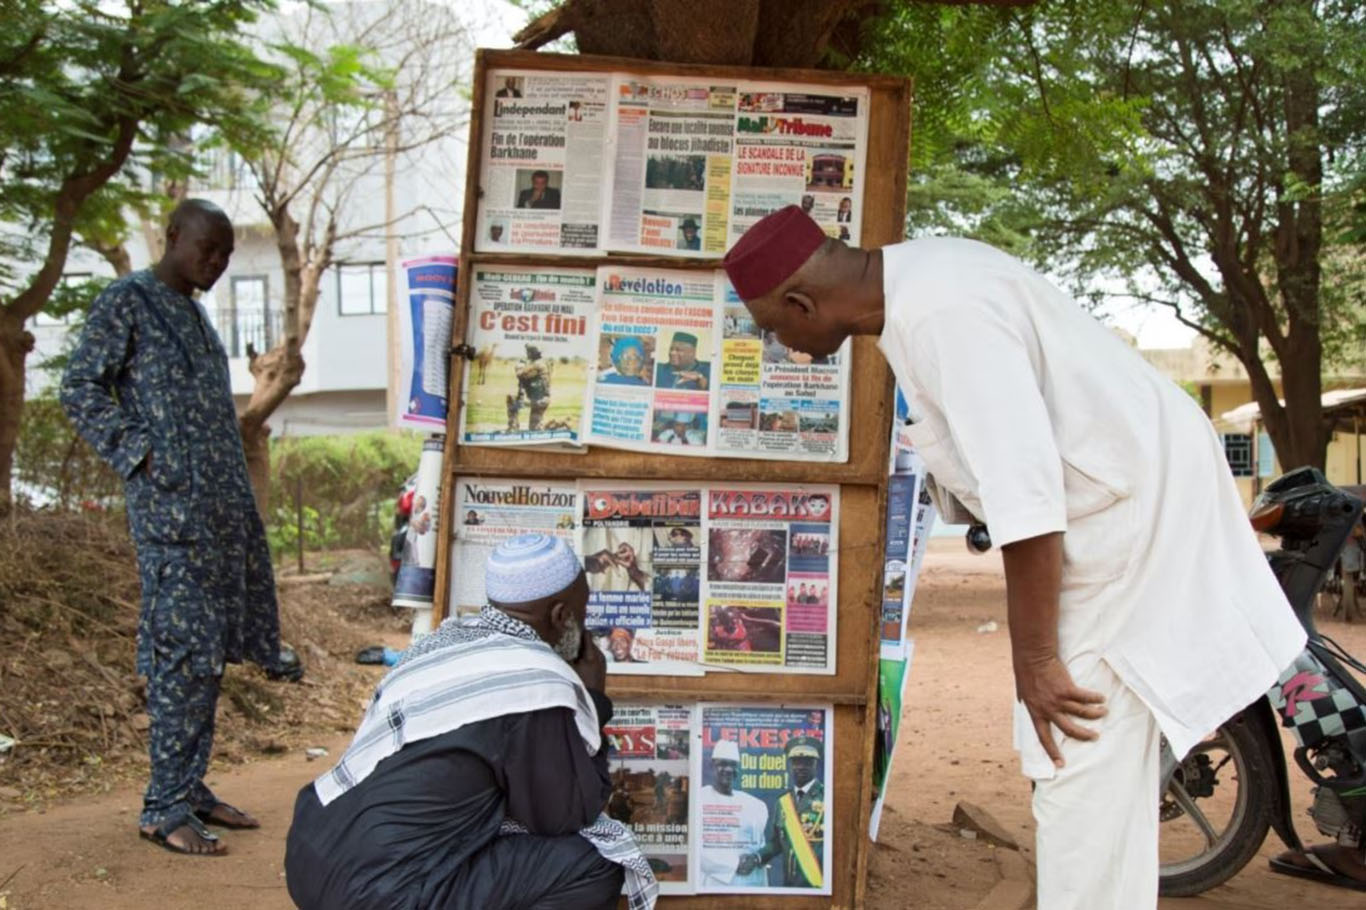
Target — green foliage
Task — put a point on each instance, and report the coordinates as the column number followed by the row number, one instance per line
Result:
column 348, row 485
column 1204, row 155
column 55, row 467
column 92, row 98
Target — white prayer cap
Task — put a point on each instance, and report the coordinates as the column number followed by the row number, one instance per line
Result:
column 529, row 567
column 726, row 750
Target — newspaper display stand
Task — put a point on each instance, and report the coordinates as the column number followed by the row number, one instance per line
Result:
column 862, row 478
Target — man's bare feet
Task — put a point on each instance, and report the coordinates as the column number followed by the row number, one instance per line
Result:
column 1327, row 863
column 191, row 838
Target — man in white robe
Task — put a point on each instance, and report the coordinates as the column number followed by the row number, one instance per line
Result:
column 733, row 824
column 1139, row 601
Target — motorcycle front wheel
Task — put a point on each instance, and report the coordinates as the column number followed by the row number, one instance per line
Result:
column 1215, row 810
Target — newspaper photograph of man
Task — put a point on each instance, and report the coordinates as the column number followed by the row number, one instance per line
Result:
column 683, row 370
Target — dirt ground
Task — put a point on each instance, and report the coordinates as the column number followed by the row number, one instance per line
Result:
column 84, row 853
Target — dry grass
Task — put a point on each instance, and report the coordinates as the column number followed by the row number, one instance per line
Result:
column 68, row 692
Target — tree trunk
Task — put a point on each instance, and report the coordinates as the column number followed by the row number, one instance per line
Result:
column 276, row 372
column 15, row 345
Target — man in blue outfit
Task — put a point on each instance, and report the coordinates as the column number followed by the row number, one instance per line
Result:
column 147, row 386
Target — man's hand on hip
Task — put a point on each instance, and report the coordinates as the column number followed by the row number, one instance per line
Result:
column 1033, row 583
column 1051, row 697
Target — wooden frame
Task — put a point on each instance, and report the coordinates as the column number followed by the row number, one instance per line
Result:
column 853, row 688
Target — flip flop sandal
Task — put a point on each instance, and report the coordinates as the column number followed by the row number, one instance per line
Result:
column 161, row 837
column 205, row 815
column 1318, row 871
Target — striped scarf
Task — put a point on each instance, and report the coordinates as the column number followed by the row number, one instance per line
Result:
column 466, row 672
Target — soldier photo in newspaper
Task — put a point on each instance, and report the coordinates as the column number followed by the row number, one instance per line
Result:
column 648, row 756
column 527, row 383
column 761, row 813
column 641, row 556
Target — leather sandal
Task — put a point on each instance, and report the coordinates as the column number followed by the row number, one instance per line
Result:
column 162, row 837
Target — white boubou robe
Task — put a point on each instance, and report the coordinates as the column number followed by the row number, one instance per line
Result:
column 1039, row 419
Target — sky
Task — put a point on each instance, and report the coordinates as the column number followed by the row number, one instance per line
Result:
column 494, row 21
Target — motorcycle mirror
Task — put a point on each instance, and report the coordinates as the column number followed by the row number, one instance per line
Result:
column 1266, row 515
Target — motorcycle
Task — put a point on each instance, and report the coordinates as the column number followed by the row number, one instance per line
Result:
column 1219, row 802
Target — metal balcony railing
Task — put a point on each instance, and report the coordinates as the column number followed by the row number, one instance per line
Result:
column 238, row 328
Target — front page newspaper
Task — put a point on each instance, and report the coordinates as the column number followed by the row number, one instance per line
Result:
column 696, row 161
column 772, row 401
column 489, row 511
column 642, row 551
column 543, row 162
column 771, row 582
column 656, row 339
column 763, row 808
column 648, row 754
column 527, row 383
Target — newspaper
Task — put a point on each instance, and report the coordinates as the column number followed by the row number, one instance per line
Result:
column 425, row 344
column 671, row 169
column 762, row 811
column 696, row 161
column 656, row 335
column 771, row 584
column 804, row 145
column 648, row 748
column 902, row 500
column 488, row 511
column 642, row 551
column 773, row 402
column 528, row 381
column 543, row 162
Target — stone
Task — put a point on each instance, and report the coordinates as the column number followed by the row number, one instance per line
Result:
column 968, row 817
column 315, row 752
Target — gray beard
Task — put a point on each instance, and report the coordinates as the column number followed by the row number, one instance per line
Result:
column 571, row 642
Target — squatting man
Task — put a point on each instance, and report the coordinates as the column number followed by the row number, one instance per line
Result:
column 1139, row 601
column 478, row 776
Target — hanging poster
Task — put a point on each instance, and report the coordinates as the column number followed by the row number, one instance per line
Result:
column 642, row 552
column 425, row 344
column 762, row 811
column 648, row 748
column 541, row 185
column 771, row 581
column 527, row 383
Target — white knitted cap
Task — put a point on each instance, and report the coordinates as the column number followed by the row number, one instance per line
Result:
column 529, row 567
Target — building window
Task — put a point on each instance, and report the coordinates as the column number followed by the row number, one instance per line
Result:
column 246, row 321
column 1238, row 451
column 362, row 289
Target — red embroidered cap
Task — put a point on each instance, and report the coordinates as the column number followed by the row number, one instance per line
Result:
column 771, row 251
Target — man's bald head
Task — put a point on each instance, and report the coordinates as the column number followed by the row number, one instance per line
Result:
column 194, row 211
column 199, row 244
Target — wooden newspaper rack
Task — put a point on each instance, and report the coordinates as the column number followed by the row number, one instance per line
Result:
column 862, row 479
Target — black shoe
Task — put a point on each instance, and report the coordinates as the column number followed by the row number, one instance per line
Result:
column 288, row 667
